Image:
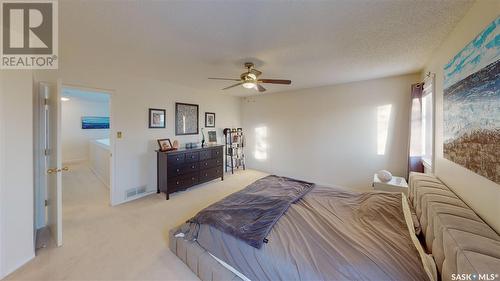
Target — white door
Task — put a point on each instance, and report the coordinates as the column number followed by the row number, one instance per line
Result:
column 53, row 160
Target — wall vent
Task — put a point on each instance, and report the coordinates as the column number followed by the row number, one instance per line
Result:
column 133, row 192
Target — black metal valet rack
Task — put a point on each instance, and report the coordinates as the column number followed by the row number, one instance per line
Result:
column 235, row 141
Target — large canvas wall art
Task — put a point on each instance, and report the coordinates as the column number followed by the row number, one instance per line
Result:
column 471, row 105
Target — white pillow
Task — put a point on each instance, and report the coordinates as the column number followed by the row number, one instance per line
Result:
column 384, row 175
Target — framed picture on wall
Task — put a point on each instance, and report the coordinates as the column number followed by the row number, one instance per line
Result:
column 186, row 119
column 209, row 119
column 93, row 122
column 157, row 118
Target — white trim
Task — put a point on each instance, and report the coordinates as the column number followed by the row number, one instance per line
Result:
column 16, row 267
column 432, row 79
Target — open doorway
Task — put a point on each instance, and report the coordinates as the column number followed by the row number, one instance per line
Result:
column 74, row 128
column 86, row 150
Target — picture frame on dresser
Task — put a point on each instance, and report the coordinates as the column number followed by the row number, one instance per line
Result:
column 165, row 145
column 186, row 119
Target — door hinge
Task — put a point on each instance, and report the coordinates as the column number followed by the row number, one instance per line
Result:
column 46, row 202
column 46, row 152
column 46, row 101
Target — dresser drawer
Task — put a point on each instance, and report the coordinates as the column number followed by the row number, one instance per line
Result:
column 214, row 162
column 205, row 154
column 207, row 164
column 182, row 182
column 216, row 152
column 176, row 159
column 192, row 157
column 210, row 174
column 181, row 170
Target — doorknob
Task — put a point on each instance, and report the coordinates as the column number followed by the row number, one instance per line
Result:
column 54, row 170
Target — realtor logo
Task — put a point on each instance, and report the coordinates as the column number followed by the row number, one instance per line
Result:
column 29, row 34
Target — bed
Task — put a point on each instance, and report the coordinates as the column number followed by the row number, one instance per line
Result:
column 334, row 234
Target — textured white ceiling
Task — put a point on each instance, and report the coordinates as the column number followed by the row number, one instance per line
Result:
column 313, row 43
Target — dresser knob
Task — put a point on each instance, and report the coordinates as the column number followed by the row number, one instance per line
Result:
column 192, row 167
column 177, row 182
column 206, row 175
column 206, row 163
column 178, row 170
column 192, row 156
column 177, row 158
column 192, row 179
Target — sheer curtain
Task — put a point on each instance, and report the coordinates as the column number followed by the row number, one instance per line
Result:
column 416, row 141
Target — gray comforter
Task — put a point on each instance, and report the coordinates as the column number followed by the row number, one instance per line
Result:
column 329, row 234
column 250, row 213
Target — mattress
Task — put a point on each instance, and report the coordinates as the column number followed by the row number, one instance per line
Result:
column 328, row 234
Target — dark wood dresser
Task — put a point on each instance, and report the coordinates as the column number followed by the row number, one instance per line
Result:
column 180, row 169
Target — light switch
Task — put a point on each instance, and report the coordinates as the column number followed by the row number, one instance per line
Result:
column 118, row 135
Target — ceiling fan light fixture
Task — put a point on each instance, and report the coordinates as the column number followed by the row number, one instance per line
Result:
column 249, row 85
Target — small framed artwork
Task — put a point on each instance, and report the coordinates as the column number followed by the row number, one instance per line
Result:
column 90, row 122
column 186, row 119
column 212, row 137
column 157, row 118
column 165, row 145
column 210, row 119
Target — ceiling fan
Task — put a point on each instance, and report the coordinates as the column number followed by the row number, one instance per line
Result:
column 250, row 79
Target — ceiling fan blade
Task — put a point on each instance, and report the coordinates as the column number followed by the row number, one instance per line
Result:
column 275, row 81
column 226, row 79
column 237, row 84
column 259, row 88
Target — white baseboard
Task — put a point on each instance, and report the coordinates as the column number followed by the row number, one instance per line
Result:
column 19, row 265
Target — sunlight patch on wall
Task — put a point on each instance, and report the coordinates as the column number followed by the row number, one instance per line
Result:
column 383, row 117
column 260, row 152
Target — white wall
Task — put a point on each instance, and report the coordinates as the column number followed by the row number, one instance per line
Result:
column 330, row 134
column 132, row 96
column 478, row 192
column 16, row 170
column 75, row 140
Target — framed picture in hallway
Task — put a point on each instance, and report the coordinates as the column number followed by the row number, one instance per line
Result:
column 157, row 118
column 93, row 122
column 209, row 119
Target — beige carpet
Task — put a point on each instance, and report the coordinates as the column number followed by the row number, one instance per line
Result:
column 126, row 242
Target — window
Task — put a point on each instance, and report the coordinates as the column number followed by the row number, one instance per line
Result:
column 427, row 121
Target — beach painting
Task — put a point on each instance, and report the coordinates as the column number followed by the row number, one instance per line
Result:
column 471, row 105
column 90, row 122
